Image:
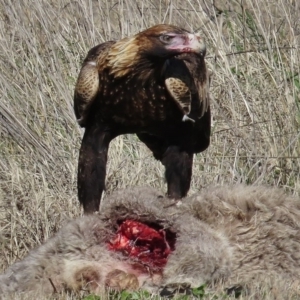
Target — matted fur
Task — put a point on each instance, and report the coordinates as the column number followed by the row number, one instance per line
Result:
column 230, row 235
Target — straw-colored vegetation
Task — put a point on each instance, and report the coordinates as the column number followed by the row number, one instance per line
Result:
column 253, row 53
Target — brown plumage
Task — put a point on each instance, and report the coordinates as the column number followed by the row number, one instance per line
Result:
column 154, row 84
column 236, row 235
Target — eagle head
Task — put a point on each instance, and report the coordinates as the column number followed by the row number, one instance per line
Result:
column 168, row 40
column 142, row 52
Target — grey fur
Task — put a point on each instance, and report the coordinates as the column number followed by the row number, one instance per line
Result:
column 231, row 235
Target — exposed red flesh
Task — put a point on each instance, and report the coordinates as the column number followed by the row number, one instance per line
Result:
column 146, row 244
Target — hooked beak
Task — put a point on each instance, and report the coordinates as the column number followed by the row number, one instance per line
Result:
column 190, row 42
column 196, row 43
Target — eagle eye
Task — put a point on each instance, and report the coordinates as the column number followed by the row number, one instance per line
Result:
column 166, row 38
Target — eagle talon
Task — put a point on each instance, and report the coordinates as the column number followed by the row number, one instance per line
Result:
column 186, row 118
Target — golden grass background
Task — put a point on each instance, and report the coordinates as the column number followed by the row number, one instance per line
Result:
column 253, row 54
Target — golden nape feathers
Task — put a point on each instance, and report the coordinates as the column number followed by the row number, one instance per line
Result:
column 123, row 56
column 148, row 84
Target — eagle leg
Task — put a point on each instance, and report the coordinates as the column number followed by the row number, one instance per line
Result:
column 178, row 164
column 92, row 166
column 178, row 173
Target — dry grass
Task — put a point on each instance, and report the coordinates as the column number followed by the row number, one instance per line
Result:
column 253, row 52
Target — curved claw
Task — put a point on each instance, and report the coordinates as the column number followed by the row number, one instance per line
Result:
column 186, row 118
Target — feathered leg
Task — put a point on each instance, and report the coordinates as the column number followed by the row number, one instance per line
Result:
column 92, row 166
column 178, row 166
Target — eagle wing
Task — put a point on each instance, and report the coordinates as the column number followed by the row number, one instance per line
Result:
column 187, row 82
column 199, row 85
column 88, row 82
